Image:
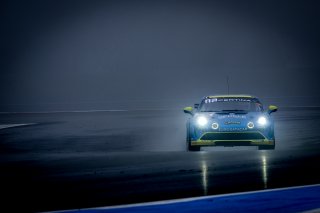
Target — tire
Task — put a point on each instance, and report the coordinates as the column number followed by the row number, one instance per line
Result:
column 188, row 143
column 192, row 148
column 267, row 147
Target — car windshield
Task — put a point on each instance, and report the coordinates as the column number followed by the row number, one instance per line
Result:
column 230, row 104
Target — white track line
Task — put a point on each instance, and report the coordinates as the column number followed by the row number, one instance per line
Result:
column 5, row 126
column 312, row 211
column 74, row 111
column 120, row 110
column 188, row 199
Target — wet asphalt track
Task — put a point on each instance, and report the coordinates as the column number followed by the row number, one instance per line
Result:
column 87, row 159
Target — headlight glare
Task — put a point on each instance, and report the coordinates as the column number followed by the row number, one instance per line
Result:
column 262, row 121
column 202, row 121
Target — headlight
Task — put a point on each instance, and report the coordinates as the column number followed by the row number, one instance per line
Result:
column 262, row 121
column 250, row 125
column 215, row 125
column 202, row 121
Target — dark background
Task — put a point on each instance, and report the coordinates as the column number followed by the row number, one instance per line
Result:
column 58, row 55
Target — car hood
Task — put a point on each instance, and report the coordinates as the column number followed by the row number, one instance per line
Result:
column 232, row 120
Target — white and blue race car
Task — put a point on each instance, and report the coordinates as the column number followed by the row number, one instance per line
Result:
column 230, row 120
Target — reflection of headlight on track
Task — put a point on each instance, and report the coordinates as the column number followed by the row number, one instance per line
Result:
column 262, row 121
column 202, row 121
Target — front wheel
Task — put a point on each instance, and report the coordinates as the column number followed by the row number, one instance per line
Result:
column 267, row 147
column 188, row 143
column 192, row 148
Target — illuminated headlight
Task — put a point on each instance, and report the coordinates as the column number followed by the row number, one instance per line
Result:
column 250, row 125
column 262, row 121
column 202, row 121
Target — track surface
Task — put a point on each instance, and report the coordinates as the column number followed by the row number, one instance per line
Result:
column 292, row 199
column 87, row 159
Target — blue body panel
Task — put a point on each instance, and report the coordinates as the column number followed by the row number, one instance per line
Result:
column 232, row 122
column 244, row 126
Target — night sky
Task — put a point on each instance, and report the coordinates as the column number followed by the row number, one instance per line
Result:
column 85, row 52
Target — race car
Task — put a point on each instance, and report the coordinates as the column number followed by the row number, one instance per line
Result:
column 230, row 120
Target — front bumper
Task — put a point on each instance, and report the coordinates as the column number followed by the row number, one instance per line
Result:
column 232, row 139
column 232, row 143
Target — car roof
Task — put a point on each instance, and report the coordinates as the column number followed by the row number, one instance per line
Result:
column 230, row 96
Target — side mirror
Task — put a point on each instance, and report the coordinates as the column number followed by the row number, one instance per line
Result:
column 196, row 106
column 272, row 109
column 188, row 110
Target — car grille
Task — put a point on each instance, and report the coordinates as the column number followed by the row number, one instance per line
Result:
column 233, row 143
column 225, row 136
